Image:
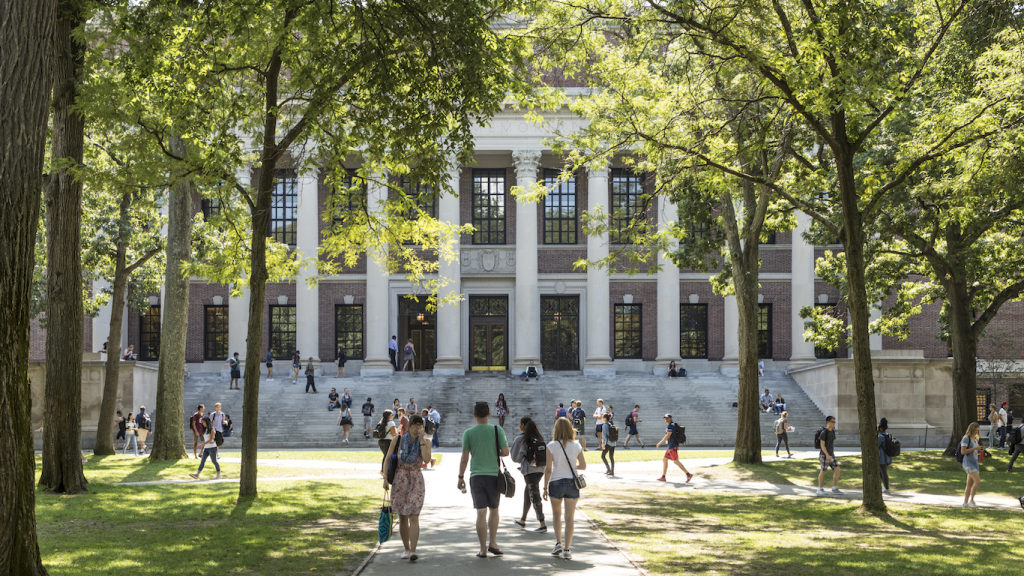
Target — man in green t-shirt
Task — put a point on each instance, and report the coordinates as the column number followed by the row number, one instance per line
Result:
column 482, row 442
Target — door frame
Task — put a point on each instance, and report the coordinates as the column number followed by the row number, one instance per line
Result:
column 491, row 320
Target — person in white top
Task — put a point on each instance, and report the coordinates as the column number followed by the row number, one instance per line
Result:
column 565, row 458
column 599, row 413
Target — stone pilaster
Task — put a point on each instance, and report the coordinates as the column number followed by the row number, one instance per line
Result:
column 527, row 296
column 598, row 360
column 449, row 319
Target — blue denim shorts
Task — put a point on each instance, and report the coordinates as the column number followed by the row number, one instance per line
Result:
column 970, row 468
column 564, row 488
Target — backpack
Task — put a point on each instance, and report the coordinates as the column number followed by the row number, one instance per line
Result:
column 629, row 420
column 380, row 432
column 679, row 434
column 891, row 446
column 144, row 421
column 959, row 454
column 429, row 426
column 560, row 413
column 218, row 439
column 613, row 432
column 780, row 426
column 577, row 423
column 1014, row 437
column 536, row 453
column 817, row 437
column 226, row 425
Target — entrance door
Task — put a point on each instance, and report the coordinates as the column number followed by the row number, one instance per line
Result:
column 419, row 325
column 559, row 333
column 488, row 333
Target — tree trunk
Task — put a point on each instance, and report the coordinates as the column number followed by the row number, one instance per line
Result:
column 111, row 371
column 169, row 429
column 27, row 29
column 62, row 432
column 748, row 419
column 964, row 344
column 853, row 245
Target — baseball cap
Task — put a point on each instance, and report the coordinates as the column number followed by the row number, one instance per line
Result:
column 1004, row 403
column 668, row 416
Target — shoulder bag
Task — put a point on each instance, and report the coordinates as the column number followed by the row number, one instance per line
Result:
column 386, row 522
column 506, row 483
column 577, row 479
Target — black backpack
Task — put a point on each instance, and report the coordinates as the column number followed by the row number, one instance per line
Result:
column 218, row 439
column 959, row 454
column 613, row 433
column 630, row 421
column 429, row 426
column 1014, row 437
column 144, row 422
column 679, row 434
column 817, row 437
column 380, row 432
column 536, row 453
column 891, row 446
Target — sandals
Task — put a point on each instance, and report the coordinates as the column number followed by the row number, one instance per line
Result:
column 495, row 551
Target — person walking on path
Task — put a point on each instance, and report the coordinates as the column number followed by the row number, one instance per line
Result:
column 435, row 417
column 827, row 456
column 599, row 413
column 782, row 434
column 608, row 445
column 196, row 424
column 970, row 445
column 345, row 421
column 209, row 450
column 296, row 365
column 578, row 417
column 482, row 447
column 341, row 363
column 389, row 430
column 310, row 374
column 1007, row 414
column 501, row 409
column 410, row 357
column 408, row 490
column 631, row 421
column 234, row 364
column 121, row 432
column 270, row 364
column 393, row 351
column 524, row 445
column 672, row 451
column 144, row 424
column 565, row 461
column 995, row 420
column 130, row 438
column 1016, row 447
column 217, row 419
column 884, row 460
column 367, row 410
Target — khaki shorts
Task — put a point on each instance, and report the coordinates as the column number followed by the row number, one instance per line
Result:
column 142, row 434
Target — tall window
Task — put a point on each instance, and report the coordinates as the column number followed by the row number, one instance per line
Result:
column 559, row 209
column 764, row 330
column 831, row 309
column 149, row 334
column 982, row 399
column 626, row 207
column 282, row 331
column 693, row 330
column 215, row 332
column 628, row 331
column 348, row 330
column 349, row 197
column 489, row 206
column 284, row 208
column 422, row 196
column 210, row 208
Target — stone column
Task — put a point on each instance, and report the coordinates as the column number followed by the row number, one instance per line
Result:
column 307, row 298
column 101, row 322
column 376, row 362
column 875, row 340
column 449, row 319
column 730, row 324
column 238, row 324
column 801, row 289
column 598, row 360
column 527, row 297
column 668, row 293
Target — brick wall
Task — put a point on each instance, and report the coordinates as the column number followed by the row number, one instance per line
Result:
column 778, row 295
column 776, row 258
column 646, row 294
column 559, row 260
column 200, row 295
column 1004, row 335
column 332, row 294
column 924, row 331
column 716, row 314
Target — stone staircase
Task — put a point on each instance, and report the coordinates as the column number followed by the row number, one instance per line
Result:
column 702, row 402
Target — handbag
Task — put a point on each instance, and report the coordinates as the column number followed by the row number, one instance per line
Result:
column 506, row 483
column 386, row 521
column 577, row 479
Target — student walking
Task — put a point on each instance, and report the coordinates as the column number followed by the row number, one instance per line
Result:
column 827, row 455
column 578, row 416
column 671, row 439
column 143, row 425
column 525, row 450
column 234, row 364
column 501, row 409
column 341, row 363
column 408, row 490
column 270, row 364
column 410, row 357
column 483, row 445
column 782, row 434
column 970, row 445
column 121, row 432
column 599, row 413
column 217, row 419
column 631, row 421
column 565, row 461
column 386, row 430
column 608, row 444
column 196, row 424
column 995, row 420
column 130, row 438
column 435, row 417
column 310, row 374
column 367, row 411
column 393, row 351
column 209, row 449
column 884, row 460
column 296, row 364
column 345, row 421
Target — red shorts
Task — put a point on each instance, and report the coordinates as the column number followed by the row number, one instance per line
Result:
column 672, row 454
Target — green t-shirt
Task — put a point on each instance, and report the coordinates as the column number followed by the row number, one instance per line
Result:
column 479, row 441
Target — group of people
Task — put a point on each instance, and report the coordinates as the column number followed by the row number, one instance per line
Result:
column 208, row 432
column 776, row 404
column 235, row 368
column 408, row 357
column 133, row 431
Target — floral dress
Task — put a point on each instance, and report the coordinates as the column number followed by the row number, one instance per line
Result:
column 500, row 409
column 408, row 489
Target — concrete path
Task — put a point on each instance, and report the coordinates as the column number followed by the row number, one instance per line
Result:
column 448, row 543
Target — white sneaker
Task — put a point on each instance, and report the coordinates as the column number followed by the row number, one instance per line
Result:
column 406, row 554
column 972, row 504
column 567, row 554
column 557, row 551
column 821, row 492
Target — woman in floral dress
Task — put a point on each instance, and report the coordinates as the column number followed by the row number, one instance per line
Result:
column 407, row 492
column 501, row 410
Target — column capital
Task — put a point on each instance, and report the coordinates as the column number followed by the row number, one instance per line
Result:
column 526, row 161
column 597, row 171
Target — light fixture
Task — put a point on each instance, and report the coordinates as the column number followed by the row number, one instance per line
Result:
column 420, row 317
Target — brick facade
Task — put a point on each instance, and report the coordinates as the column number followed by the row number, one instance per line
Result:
column 331, row 295
column 645, row 293
column 201, row 295
column 716, row 314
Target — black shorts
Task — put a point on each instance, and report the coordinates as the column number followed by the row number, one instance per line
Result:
column 236, row 374
column 485, row 491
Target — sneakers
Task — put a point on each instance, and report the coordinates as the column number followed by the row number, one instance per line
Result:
column 820, row 492
column 972, row 504
column 217, row 477
column 689, row 477
column 567, row 554
column 662, row 479
column 194, row 475
column 542, row 529
column 886, row 491
column 557, row 551
column 406, row 555
column 835, row 490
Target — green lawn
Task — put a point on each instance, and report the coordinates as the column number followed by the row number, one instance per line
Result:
column 687, row 532
column 925, row 471
column 197, row 529
column 651, row 454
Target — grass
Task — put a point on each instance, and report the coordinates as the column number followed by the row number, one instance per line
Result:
column 373, row 456
column 651, row 454
column 687, row 532
column 194, row 529
column 925, row 471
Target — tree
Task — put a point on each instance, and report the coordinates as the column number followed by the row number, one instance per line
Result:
column 62, row 435
column 692, row 122
column 27, row 28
